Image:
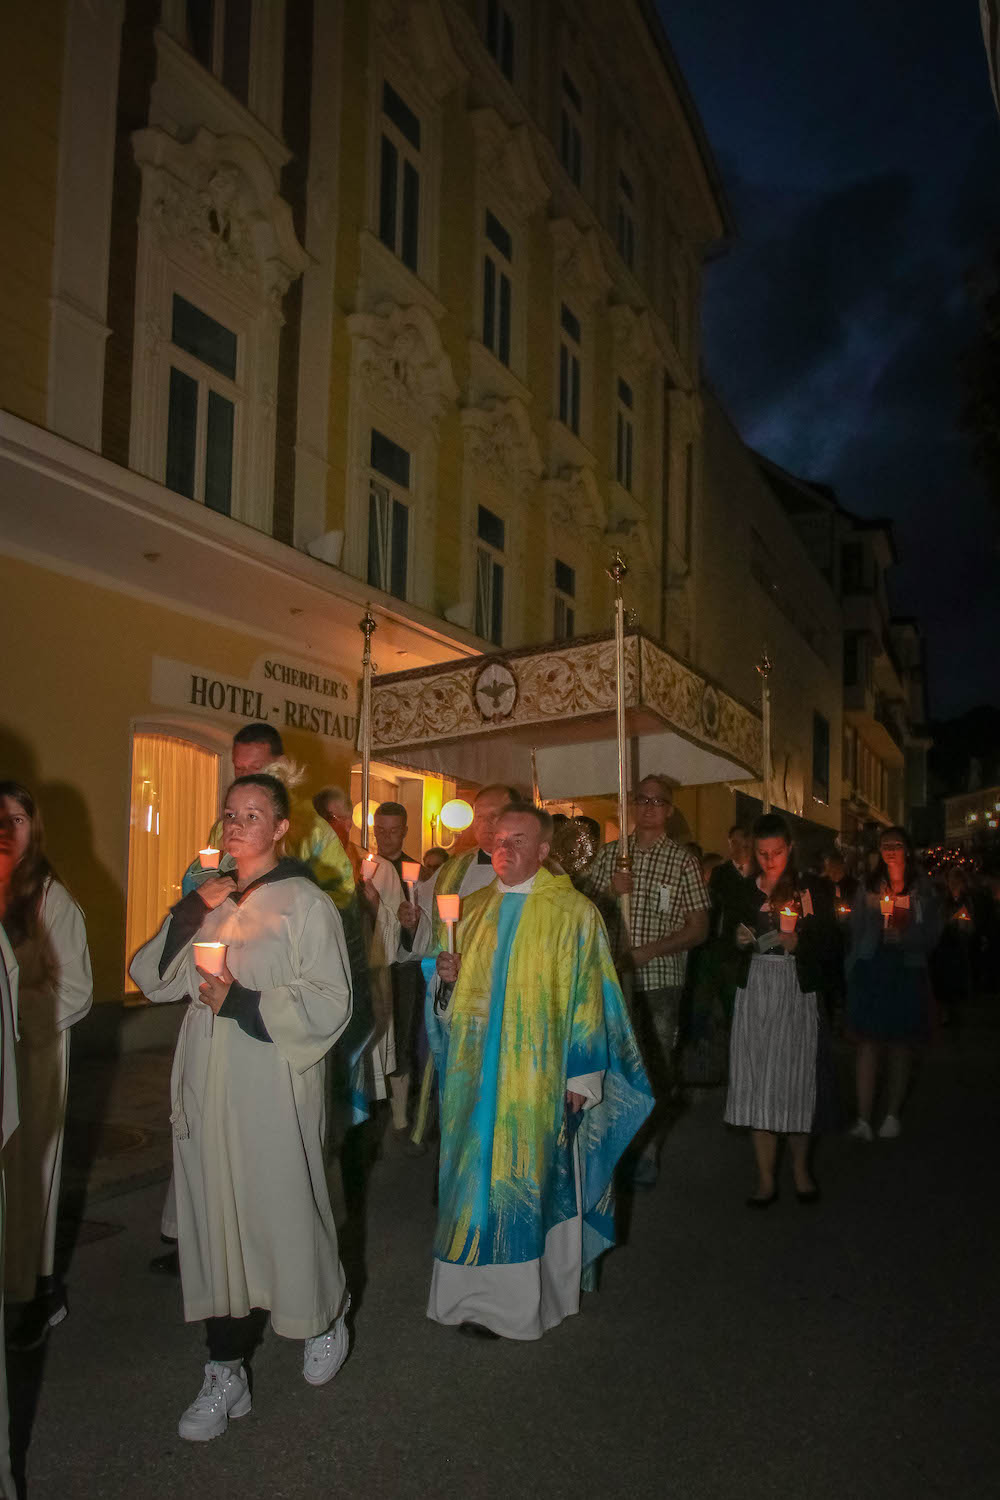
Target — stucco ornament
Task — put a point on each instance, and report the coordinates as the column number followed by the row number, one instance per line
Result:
column 499, row 439
column 402, row 362
column 575, row 502
column 507, row 159
column 215, row 198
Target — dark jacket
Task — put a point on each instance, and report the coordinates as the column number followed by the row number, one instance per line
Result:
column 818, row 944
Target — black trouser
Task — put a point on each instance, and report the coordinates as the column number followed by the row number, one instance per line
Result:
column 406, row 989
column 230, row 1339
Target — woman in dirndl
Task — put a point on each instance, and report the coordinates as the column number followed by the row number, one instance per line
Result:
column 782, row 927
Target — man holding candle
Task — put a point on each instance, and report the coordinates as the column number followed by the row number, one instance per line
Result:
column 542, row 1088
column 393, row 879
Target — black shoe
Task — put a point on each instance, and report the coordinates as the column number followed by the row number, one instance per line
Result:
column 477, row 1331
column 763, row 1202
column 166, row 1265
column 807, row 1195
column 31, row 1328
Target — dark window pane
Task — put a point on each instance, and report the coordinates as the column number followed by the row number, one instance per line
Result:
column 388, row 171
column 491, row 528
column 565, row 578
column 570, row 623
column 390, row 459
column 503, row 340
column 563, row 383
column 619, row 449
column 575, row 395
column 400, row 546
column 375, row 510
column 625, row 394
column 219, row 454
column 200, row 335
column 496, row 633
column 182, row 429
column 200, row 27
column 506, row 58
column 628, row 455
column 489, row 302
column 401, row 115
column 570, row 323
column 572, row 93
column 499, row 236
column 411, row 216
column 236, row 49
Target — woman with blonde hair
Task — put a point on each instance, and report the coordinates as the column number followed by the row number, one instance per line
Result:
column 47, row 932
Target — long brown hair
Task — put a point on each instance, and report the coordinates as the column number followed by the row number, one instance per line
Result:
column 33, row 869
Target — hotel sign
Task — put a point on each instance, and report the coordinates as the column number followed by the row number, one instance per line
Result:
column 287, row 693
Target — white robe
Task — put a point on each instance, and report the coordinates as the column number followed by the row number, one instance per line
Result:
column 255, row 1227
column 382, row 951
column 8, row 1125
column 56, row 989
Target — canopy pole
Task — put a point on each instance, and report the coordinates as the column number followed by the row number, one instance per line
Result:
column 764, row 668
column 368, row 627
column 617, row 572
column 536, row 795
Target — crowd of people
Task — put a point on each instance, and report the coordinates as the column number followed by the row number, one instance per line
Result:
column 532, row 1008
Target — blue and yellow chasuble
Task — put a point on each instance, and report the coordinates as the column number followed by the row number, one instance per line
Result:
column 537, row 1002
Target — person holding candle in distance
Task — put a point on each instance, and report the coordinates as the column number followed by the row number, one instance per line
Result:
column 781, row 926
column 49, row 937
column 542, row 1088
column 895, row 925
column 459, row 876
column 255, row 1228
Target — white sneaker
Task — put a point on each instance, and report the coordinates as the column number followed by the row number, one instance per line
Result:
column 225, row 1394
column 890, row 1128
column 861, row 1131
column 325, row 1353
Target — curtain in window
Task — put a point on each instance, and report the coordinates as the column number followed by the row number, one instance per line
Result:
column 174, row 802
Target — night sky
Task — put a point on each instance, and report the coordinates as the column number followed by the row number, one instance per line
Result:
column 860, row 150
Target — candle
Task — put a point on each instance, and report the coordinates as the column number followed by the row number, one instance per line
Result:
column 887, row 904
column 411, row 874
column 209, row 858
column 210, row 956
column 787, row 919
column 449, row 908
column 368, row 867
column 843, row 911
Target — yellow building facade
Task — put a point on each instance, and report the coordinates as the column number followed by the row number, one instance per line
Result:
column 306, row 306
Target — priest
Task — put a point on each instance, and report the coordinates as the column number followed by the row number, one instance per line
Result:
column 542, row 1088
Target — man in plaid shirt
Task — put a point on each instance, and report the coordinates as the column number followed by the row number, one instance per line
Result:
column 670, row 908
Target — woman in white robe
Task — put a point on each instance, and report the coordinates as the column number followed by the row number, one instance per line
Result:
column 56, row 990
column 255, row 1229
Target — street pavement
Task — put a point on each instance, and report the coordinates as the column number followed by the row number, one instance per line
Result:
column 835, row 1352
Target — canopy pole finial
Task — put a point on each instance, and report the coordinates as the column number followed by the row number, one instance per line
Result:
column 764, row 668
column 367, row 626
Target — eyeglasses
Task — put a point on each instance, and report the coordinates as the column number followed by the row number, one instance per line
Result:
column 650, row 801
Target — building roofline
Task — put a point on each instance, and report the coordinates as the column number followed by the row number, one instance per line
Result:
column 693, row 118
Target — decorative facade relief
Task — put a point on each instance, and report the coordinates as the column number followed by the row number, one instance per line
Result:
column 574, row 501
column 402, row 363
column 499, row 439
column 635, row 342
column 507, row 159
column 580, row 272
column 216, row 196
column 416, row 32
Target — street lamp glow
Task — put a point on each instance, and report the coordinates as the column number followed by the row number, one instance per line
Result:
column 456, row 815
